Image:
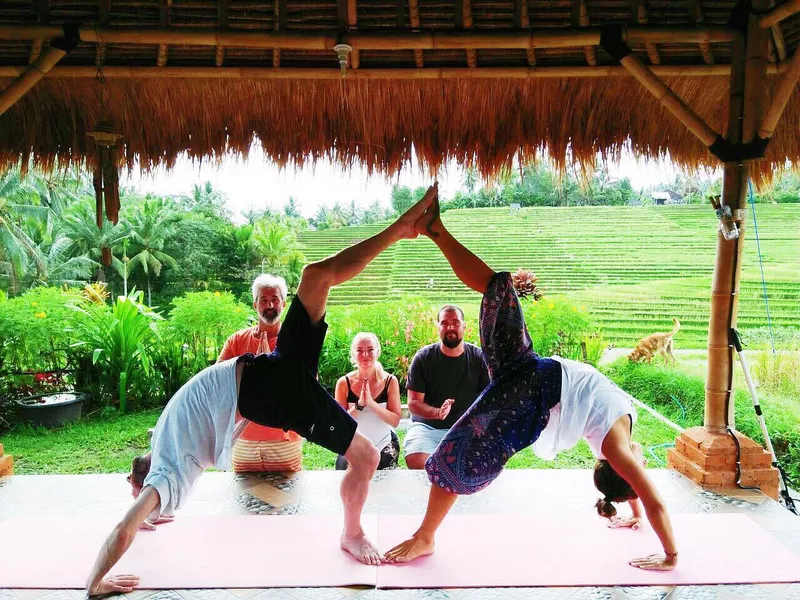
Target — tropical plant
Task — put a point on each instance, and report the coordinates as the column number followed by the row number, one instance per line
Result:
column 203, row 321
column 150, row 228
column 120, row 340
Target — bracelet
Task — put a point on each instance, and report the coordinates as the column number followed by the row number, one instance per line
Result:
column 671, row 554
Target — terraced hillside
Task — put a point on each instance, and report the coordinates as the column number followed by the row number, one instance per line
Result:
column 634, row 268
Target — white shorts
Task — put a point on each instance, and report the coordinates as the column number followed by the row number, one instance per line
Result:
column 422, row 438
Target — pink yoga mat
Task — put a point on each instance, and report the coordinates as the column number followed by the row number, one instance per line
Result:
column 472, row 551
column 579, row 550
column 191, row 552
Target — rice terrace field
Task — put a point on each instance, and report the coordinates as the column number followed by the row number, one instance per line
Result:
column 633, row 268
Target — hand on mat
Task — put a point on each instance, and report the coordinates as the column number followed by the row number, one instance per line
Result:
column 620, row 522
column 655, row 562
column 444, row 409
column 114, row 585
column 149, row 525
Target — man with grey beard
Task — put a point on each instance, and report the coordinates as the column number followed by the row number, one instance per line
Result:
column 263, row 449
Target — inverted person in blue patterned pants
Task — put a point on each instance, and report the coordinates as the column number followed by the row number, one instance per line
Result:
column 514, row 409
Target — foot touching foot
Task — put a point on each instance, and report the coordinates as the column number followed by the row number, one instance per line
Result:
column 409, row 219
column 361, row 549
column 409, row 550
column 429, row 223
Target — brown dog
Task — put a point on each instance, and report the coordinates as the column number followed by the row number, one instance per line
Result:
column 656, row 343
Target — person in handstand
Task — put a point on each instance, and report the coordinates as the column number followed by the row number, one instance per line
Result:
column 549, row 403
column 202, row 421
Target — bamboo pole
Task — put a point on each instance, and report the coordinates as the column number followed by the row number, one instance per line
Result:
column 779, row 13
column 652, row 50
column 149, row 72
column 669, row 99
column 30, row 76
column 352, row 23
column 786, row 89
column 413, row 16
column 392, row 40
column 747, row 100
column 525, row 23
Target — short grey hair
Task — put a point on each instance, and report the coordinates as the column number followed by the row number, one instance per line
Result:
column 272, row 281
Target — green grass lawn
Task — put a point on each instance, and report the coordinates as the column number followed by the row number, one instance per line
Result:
column 107, row 445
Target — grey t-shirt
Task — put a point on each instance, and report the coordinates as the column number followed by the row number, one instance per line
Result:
column 440, row 377
column 197, row 430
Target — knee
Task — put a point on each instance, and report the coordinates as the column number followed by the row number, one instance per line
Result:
column 362, row 454
column 416, row 461
column 316, row 274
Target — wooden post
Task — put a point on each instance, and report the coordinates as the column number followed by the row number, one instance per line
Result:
column 30, row 77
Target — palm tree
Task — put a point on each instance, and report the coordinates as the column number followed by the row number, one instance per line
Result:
column 79, row 225
column 273, row 245
column 17, row 248
column 55, row 265
column 290, row 209
column 205, row 198
column 150, row 228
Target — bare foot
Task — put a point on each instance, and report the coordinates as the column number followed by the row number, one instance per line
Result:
column 409, row 550
column 361, row 549
column 430, row 222
column 407, row 222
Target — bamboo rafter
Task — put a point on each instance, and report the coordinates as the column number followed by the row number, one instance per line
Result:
column 423, row 40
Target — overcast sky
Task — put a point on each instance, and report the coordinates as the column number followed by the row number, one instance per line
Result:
column 257, row 183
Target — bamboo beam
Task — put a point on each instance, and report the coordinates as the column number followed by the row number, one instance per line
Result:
column 105, row 14
column 466, row 23
column 280, row 24
column 652, row 50
column 30, row 76
column 778, row 40
column 533, row 38
column 786, row 89
column 583, row 21
column 164, row 15
column 746, row 113
column 222, row 22
column 525, row 23
column 413, row 15
column 42, row 16
column 696, row 16
column 352, row 23
column 669, row 99
column 779, row 13
column 150, row 72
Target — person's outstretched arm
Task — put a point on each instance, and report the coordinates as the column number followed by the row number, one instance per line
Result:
column 116, row 545
column 617, row 450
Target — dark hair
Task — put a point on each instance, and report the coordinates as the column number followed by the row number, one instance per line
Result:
column 452, row 307
column 613, row 487
column 139, row 470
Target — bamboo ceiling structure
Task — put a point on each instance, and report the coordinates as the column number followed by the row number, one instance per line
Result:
column 481, row 82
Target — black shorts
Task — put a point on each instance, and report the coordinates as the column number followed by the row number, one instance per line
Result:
column 280, row 389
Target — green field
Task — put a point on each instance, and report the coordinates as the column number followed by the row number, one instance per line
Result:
column 633, row 268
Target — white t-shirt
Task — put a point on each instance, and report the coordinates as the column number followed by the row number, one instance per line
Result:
column 590, row 404
column 197, row 430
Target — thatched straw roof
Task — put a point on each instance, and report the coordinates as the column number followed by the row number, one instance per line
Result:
column 537, row 79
